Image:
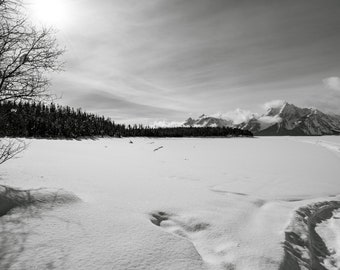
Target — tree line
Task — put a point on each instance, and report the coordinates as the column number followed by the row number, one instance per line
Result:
column 27, row 54
column 39, row 120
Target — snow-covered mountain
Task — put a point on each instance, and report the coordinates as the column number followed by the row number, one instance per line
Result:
column 285, row 119
column 208, row 121
column 292, row 120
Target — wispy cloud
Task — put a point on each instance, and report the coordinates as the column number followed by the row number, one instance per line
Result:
column 273, row 104
column 164, row 123
column 332, row 83
column 200, row 56
column 101, row 100
column 238, row 115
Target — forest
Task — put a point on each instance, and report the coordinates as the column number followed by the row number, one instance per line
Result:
column 41, row 120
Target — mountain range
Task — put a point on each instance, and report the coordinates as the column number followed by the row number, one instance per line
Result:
column 286, row 119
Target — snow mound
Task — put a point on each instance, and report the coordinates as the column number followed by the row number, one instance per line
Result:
column 329, row 230
column 303, row 247
column 207, row 234
column 192, row 228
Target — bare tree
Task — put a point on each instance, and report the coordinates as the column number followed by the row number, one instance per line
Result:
column 27, row 53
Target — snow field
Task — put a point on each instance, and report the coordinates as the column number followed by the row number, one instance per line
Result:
column 193, row 204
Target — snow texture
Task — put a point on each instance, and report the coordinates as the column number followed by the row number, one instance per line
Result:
column 195, row 203
column 329, row 230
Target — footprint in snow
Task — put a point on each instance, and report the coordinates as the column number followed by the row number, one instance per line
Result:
column 183, row 227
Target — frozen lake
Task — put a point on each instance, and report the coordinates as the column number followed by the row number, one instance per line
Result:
column 193, row 203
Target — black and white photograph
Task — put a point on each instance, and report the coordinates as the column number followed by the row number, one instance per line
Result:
column 170, row 135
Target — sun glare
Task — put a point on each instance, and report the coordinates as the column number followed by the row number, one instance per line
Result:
column 51, row 12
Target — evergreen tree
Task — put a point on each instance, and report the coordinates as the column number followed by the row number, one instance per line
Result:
column 30, row 119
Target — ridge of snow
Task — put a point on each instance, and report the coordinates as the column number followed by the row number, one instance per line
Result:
column 283, row 107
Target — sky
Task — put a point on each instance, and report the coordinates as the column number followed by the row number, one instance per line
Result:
column 165, row 60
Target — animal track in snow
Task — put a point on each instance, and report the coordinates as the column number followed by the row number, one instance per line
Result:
column 157, row 218
column 176, row 225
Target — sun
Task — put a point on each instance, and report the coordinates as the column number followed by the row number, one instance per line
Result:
column 51, row 12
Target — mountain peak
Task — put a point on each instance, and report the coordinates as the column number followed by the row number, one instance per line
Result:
column 293, row 120
column 208, row 121
column 277, row 108
column 281, row 118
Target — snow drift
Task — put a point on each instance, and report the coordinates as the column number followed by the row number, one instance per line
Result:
column 303, row 247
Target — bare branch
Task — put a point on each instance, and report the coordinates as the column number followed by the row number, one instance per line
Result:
column 27, row 54
column 9, row 148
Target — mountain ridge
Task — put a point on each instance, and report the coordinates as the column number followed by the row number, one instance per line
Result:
column 280, row 120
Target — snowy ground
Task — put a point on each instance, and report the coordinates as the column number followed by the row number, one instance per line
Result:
column 192, row 204
column 329, row 231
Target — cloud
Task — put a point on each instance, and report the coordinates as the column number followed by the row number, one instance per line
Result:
column 100, row 100
column 238, row 116
column 266, row 120
column 213, row 55
column 332, row 83
column 278, row 103
column 164, row 124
